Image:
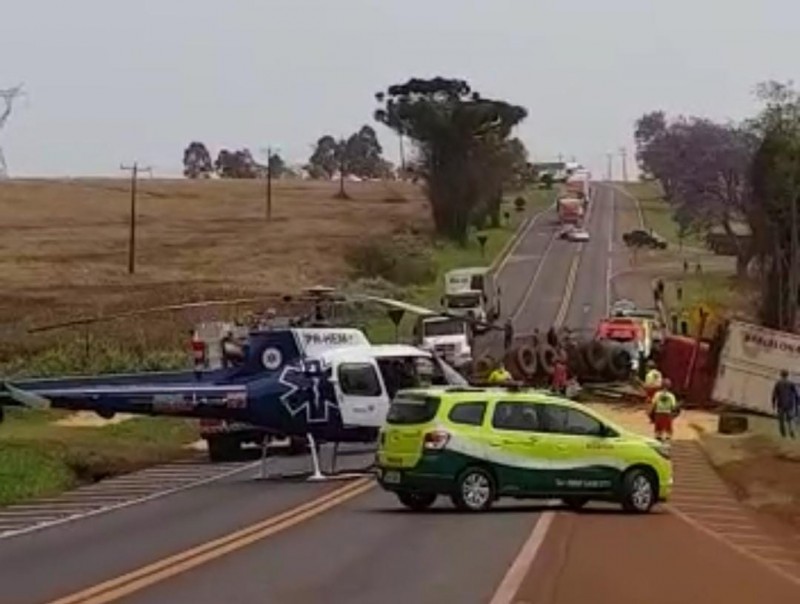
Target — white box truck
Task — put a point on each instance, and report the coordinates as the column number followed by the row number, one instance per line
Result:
column 750, row 363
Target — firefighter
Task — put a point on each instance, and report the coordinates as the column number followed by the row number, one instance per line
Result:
column 652, row 381
column 663, row 411
column 560, row 377
column 500, row 374
column 199, row 358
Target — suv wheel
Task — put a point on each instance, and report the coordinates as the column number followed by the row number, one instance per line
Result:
column 415, row 501
column 475, row 490
column 638, row 492
column 575, row 503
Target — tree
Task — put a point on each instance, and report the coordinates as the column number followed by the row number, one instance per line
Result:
column 324, row 161
column 363, row 155
column 236, row 164
column 197, row 161
column 277, row 165
column 704, row 169
column 454, row 131
column 776, row 189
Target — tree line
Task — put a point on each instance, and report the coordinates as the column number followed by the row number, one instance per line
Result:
column 461, row 150
column 741, row 180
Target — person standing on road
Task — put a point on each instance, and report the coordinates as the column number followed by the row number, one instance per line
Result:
column 508, row 334
column 786, row 404
column 560, row 377
column 663, row 411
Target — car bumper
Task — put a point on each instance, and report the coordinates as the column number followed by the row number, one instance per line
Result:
column 399, row 479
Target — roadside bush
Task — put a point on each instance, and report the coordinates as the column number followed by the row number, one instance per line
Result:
column 519, row 204
column 402, row 260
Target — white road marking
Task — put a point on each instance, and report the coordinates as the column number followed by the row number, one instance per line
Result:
column 98, row 504
column 744, row 551
column 505, row 254
column 507, row 591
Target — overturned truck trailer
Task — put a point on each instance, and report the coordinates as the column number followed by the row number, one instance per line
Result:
column 749, row 364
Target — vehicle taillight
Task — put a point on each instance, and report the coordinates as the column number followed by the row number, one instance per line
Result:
column 435, row 441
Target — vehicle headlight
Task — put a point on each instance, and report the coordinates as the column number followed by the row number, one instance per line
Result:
column 662, row 449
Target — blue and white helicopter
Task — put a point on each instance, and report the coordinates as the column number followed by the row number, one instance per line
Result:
column 323, row 384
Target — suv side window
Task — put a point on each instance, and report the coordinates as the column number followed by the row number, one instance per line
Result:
column 564, row 420
column 517, row 416
column 470, row 414
column 359, row 379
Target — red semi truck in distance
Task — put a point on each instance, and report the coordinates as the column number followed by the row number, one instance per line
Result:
column 570, row 210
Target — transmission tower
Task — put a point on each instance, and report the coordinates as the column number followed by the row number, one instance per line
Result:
column 8, row 95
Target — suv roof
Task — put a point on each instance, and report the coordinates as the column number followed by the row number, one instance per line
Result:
column 512, row 393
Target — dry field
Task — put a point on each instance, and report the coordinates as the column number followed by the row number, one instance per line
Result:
column 63, row 244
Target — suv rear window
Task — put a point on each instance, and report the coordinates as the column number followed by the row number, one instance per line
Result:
column 470, row 414
column 412, row 410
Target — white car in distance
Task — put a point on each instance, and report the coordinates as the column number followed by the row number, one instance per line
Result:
column 577, row 234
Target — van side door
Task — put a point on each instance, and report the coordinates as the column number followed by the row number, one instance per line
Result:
column 363, row 401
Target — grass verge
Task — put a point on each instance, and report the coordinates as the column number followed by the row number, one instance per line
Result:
column 657, row 214
column 39, row 458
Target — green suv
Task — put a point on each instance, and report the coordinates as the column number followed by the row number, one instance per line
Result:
column 479, row 444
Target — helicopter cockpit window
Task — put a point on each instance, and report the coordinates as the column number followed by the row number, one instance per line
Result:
column 359, row 379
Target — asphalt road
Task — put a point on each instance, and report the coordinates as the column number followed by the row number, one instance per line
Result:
column 289, row 541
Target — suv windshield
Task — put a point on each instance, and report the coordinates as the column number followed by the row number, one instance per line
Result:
column 406, row 409
column 443, row 327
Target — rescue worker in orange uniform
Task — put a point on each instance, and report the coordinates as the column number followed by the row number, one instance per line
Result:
column 663, row 411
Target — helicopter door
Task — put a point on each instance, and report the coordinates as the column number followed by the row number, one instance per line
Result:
column 362, row 396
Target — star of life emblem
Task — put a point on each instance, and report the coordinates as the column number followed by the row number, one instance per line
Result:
column 306, row 392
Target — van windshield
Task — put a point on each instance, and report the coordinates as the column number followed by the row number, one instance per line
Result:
column 464, row 301
column 407, row 409
column 444, row 327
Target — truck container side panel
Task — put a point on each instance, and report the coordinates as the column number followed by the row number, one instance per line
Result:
column 750, row 363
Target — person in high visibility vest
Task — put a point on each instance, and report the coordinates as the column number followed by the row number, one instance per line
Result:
column 500, row 375
column 663, row 411
column 652, row 382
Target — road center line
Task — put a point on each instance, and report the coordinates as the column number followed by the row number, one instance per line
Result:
column 156, row 572
column 511, row 583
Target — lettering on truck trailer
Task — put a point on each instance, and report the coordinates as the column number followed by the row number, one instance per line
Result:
column 750, row 363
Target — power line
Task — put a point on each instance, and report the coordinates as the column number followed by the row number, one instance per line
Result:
column 134, row 170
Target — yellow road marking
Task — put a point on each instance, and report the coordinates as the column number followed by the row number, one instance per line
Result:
column 137, row 580
column 570, row 288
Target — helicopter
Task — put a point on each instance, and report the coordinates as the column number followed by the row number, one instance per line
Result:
column 304, row 379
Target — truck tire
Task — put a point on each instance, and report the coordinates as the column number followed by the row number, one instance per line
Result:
column 547, row 359
column 596, row 356
column 576, row 363
column 527, row 360
column 730, row 423
column 223, row 447
column 619, row 364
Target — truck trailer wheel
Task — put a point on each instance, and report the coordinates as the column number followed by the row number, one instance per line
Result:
column 223, row 447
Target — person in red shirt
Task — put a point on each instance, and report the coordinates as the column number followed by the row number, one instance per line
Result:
column 560, row 377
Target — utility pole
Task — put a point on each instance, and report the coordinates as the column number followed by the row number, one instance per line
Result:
column 610, row 170
column 134, row 170
column 8, row 96
column 269, row 184
column 793, row 267
column 402, row 158
column 624, row 154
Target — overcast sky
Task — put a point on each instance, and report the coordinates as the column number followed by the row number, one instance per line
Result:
column 111, row 81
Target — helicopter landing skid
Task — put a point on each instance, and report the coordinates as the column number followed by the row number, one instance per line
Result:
column 318, row 476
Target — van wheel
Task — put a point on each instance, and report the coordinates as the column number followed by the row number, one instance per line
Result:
column 575, row 503
column 416, row 501
column 638, row 492
column 475, row 490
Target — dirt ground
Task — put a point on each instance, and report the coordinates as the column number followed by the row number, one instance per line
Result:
column 64, row 243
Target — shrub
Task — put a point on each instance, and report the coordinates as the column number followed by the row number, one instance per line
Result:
column 402, row 260
column 519, row 203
